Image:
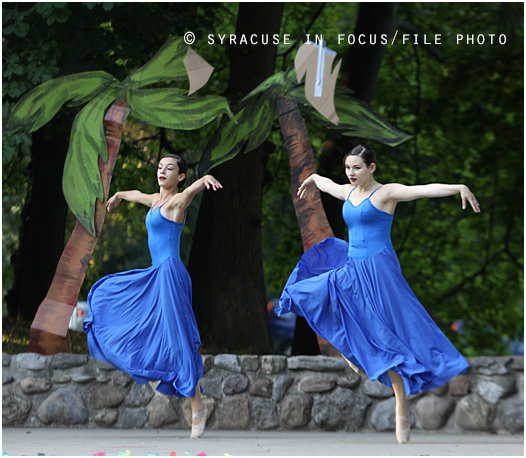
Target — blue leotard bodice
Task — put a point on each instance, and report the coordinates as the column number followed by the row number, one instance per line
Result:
column 369, row 228
column 164, row 236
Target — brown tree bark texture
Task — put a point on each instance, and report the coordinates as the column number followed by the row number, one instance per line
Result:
column 49, row 330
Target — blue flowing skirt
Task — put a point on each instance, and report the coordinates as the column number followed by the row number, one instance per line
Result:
column 142, row 322
column 368, row 312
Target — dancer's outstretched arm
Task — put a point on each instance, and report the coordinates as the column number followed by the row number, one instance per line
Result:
column 400, row 193
column 315, row 181
column 131, row 196
column 180, row 202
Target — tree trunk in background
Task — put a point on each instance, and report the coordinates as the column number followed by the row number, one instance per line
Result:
column 311, row 217
column 43, row 225
column 360, row 70
column 49, row 330
column 226, row 260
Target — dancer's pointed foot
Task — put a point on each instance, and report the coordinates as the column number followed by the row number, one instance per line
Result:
column 198, row 423
column 403, row 429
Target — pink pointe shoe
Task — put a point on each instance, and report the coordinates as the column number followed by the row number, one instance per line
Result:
column 199, row 428
column 402, row 434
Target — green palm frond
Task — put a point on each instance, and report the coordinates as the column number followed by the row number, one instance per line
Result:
column 81, row 181
column 167, row 64
column 357, row 118
column 40, row 104
column 254, row 123
column 173, row 109
column 255, row 115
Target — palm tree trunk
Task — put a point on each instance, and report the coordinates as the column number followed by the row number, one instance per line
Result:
column 312, row 220
column 49, row 331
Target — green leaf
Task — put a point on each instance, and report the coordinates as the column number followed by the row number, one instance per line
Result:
column 81, row 182
column 173, row 109
column 357, row 118
column 40, row 104
column 167, row 64
column 255, row 117
column 280, row 82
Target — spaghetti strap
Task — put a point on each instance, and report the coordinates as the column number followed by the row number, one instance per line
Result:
column 351, row 192
column 373, row 192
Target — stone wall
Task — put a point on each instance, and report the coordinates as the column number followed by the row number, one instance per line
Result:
column 257, row 392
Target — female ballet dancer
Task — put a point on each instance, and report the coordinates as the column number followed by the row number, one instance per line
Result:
column 142, row 320
column 354, row 295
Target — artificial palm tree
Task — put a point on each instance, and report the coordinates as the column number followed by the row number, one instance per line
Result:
column 93, row 148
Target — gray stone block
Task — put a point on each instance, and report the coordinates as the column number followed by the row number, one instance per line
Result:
column 212, row 386
column 264, row 414
column 350, row 380
column 6, row 360
column 249, row 362
column 134, row 397
column 433, row 411
column 493, row 389
column 490, row 365
column 32, row 385
column 317, row 384
column 6, row 378
column 262, row 387
column 134, row 418
column 296, row 411
column 106, row 418
column 235, row 384
column 103, row 378
column 272, row 364
column 343, row 409
column 61, row 379
column 208, row 361
column 459, row 386
column 317, row 363
column 101, row 365
column 377, row 390
column 473, row 413
column 100, row 396
column 63, row 407
column 510, row 416
column 15, row 410
column 122, row 379
column 83, row 379
column 281, row 386
column 227, row 361
column 31, row 361
column 147, row 393
column 233, row 413
column 440, row 391
column 68, row 360
column 161, row 413
column 517, row 363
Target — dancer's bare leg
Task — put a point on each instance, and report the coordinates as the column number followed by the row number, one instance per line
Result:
column 402, row 422
column 199, row 414
column 353, row 367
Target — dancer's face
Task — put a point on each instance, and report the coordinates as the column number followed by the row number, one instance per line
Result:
column 168, row 174
column 357, row 172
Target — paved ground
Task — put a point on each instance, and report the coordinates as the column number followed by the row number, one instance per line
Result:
column 82, row 442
